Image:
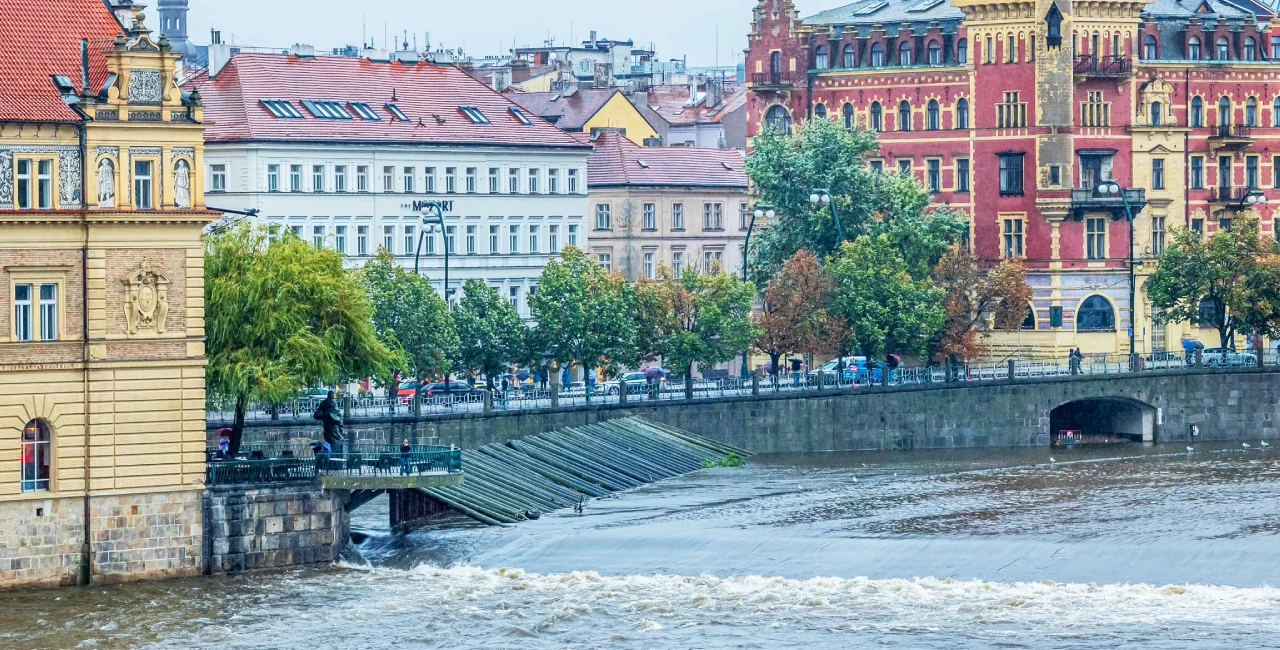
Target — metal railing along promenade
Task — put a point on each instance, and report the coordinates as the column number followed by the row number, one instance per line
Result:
column 274, row 463
column 533, row 399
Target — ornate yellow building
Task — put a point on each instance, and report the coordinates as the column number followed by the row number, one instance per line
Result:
column 101, row 301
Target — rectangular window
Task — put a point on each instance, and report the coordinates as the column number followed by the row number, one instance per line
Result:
column 217, row 178
column 1096, row 111
column 451, row 180
column 513, row 181
column 677, row 263
column 1224, row 224
column 1157, row 236
column 744, row 216
column 1013, row 238
column 650, row 216
column 1251, row 172
column 1011, row 174
column 934, row 167
column 1197, row 172
column 553, row 239
column 534, row 236
column 677, row 216
column 362, row 241
column 533, row 181
column 602, row 216
column 471, row 180
column 494, row 181
column 650, row 271
column 389, row 238
column 362, row 178
column 713, row 216
column 428, row 181
column 388, row 179
column 295, row 178
column 1197, row 226
column 515, row 297
column 451, row 239
column 273, row 178
column 317, row 236
column 1012, row 113
column 317, row 178
column 410, row 172
column 605, row 260
column 904, row 166
column 296, row 229
column 1157, row 173
column 1224, row 171
column 573, row 235
column 141, row 183
column 493, row 240
column 24, row 184
column 1275, row 172
column 553, row 181
column 514, row 231
column 340, row 239
column 573, row 181
column 23, row 317
column 713, row 261
column 340, row 178
column 877, row 166
column 962, row 175
column 1055, row 175
column 410, row 240
column 471, row 240
column 48, row 312
column 1096, row 238
column 428, row 241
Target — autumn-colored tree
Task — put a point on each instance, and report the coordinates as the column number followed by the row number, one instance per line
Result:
column 793, row 316
column 654, row 317
column 978, row 301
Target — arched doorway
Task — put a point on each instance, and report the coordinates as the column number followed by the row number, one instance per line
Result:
column 1104, row 420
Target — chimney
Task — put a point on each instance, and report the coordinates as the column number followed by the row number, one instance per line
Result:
column 303, row 51
column 219, row 55
column 593, row 39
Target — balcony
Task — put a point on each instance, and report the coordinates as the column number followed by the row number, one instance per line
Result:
column 771, row 81
column 1086, row 200
column 1103, row 66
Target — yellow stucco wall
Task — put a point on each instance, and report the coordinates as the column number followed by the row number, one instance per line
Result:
column 619, row 113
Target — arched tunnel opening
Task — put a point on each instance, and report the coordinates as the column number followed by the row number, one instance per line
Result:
column 1100, row 421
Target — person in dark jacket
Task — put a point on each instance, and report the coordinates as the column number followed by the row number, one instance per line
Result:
column 330, row 419
column 405, row 453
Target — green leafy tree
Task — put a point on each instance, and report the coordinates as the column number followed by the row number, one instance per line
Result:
column 886, row 309
column 712, row 318
column 409, row 316
column 1217, row 281
column 282, row 317
column 654, row 318
column 584, row 312
column 490, row 332
column 822, row 154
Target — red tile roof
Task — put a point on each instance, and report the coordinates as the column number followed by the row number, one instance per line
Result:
column 669, row 103
column 617, row 161
column 569, row 112
column 423, row 91
column 40, row 39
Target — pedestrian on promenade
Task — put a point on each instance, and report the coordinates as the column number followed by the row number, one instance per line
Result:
column 405, row 451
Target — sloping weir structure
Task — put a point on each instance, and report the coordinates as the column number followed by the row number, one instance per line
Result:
column 506, row 483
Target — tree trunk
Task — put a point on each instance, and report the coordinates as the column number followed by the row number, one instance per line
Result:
column 237, row 427
column 773, row 359
column 688, row 382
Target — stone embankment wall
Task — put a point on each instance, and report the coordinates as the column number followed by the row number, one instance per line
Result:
column 265, row 527
column 1223, row 405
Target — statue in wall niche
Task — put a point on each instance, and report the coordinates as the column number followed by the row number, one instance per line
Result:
column 106, row 183
column 182, row 184
column 146, row 299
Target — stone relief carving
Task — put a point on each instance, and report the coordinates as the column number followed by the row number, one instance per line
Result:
column 182, row 184
column 179, row 152
column 146, row 299
column 144, row 87
column 106, row 183
column 69, row 177
column 6, row 179
column 68, row 172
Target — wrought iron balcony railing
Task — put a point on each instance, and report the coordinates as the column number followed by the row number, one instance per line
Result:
column 1232, row 132
column 776, row 79
column 1103, row 66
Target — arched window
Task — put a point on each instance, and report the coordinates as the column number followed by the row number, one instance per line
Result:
column 1224, row 111
column 36, row 456
column 962, row 113
column 778, row 120
column 877, row 55
column 934, row 116
column 1197, row 111
column 848, row 117
column 904, row 116
column 1115, row 45
column 1150, row 51
column 962, row 51
column 1157, row 118
column 1251, row 111
column 820, row 58
column 1029, row 323
column 1011, row 50
column 1223, row 48
column 904, row 53
column 1275, row 112
column 1250, row 49
column 877, row 117
column 820, row 111
column 935, row 53
column 850, row 57
column 1095, row 315
column 1193, row 49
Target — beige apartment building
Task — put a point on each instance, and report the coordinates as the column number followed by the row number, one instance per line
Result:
column 649, row 206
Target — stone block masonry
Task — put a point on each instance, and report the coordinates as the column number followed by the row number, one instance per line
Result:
column 248, row 528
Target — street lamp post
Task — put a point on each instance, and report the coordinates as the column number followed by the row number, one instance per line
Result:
column 765, row 211
column 823, row 196
column 435, row 215
column 1113, row 188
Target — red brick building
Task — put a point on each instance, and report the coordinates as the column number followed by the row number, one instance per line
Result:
column 1016, row 113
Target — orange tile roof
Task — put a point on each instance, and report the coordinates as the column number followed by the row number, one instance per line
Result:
column 429, row 95
column 669, row 103
column 617, row 161
column 40, row 39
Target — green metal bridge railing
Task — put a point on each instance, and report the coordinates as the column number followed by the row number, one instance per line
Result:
column 347, row 460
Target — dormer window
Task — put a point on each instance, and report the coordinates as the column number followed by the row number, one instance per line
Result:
column 281, row 108
column 395, row 110
column 327, row 110
column 474, row 114
column 520, row 116
column 365, row 111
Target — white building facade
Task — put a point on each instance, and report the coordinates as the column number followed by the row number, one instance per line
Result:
column 512, row 197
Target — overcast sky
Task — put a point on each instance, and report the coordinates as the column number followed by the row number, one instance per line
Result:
column 676, row 27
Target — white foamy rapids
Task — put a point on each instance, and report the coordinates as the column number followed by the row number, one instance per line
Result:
column 636, row 606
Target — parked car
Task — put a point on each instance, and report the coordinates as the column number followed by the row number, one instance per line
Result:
column 455, row 392
column 637, row 382
column 855, row 369
column 1225, row 358
column 407, row 390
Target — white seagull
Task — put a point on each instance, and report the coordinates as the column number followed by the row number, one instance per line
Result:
column 1052, row 459
column 1247, row 446
column 1265, row 443
column 1189, row 450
